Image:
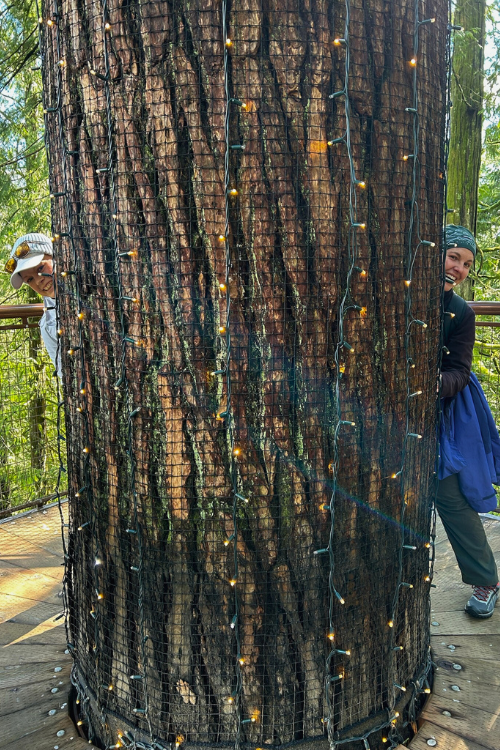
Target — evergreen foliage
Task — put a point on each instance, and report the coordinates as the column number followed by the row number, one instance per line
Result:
column 28, row 445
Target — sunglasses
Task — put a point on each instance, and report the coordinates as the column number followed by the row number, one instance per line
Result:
column 21, row 252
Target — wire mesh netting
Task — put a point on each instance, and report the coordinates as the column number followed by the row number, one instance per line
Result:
column 29, row 462
column 247, row 214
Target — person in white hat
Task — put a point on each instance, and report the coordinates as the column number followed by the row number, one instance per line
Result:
column 30, row 262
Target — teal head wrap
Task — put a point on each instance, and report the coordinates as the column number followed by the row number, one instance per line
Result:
column 457, row 236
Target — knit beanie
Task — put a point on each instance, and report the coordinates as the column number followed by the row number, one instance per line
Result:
column 457, row 236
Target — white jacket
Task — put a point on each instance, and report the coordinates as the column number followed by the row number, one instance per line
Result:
column 49, row 332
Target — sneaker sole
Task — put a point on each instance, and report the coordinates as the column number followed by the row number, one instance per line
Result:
column 478, row 615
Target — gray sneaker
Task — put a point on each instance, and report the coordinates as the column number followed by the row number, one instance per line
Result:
column 483, row 600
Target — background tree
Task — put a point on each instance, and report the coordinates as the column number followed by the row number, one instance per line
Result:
column 467, row 93
column 28, row 465
column 216, row 405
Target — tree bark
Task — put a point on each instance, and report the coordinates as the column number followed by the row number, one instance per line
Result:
column 144, row 141
column 467, row 90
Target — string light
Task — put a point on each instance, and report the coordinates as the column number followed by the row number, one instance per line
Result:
column 413, row 61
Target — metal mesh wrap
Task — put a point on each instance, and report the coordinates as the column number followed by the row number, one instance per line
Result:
column 248, row 203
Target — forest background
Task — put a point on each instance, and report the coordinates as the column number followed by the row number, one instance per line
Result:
column 28, row 401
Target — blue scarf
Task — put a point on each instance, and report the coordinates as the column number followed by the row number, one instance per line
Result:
column 470, row 446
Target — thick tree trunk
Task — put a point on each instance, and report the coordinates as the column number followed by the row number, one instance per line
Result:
column 467, row 90
column 137, row 143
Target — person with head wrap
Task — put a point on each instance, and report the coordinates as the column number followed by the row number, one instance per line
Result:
column 466, row 480
column 30, row 262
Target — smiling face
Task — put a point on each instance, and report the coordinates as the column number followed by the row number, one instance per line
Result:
column 44, row 285
column 457, row 265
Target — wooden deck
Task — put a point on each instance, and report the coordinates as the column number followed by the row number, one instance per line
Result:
column 462, row 714
column 34, row 667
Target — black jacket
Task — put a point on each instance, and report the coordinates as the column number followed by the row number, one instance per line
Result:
column 456, row 366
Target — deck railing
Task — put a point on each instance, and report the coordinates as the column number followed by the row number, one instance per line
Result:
column 29, row 461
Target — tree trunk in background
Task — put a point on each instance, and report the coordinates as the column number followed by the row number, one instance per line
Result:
column 467, row 88
column 140, row 170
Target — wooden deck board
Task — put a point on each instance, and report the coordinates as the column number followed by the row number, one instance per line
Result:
column 471, row 724
column 445, row 739
column 476, row 670
column 473, row 647
column 32, row 641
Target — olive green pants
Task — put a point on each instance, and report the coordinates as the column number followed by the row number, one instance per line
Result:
column 466, row 534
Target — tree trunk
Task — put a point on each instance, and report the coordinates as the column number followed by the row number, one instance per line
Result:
column 209, row 399
column 467, row 89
